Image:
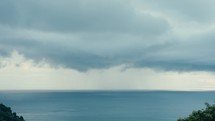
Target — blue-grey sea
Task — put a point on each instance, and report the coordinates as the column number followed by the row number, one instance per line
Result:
column 104, row 105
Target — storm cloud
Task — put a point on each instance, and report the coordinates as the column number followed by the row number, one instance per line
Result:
column 84, row 35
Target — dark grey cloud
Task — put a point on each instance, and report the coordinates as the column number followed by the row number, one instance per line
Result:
column 83, row 34
column 78, row 16
column 192, row 10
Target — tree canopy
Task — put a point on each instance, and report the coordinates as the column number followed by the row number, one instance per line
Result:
column 6, row 114
column 207, row 114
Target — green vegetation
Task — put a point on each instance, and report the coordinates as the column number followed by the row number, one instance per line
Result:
column 6, row 114
column 207, row 114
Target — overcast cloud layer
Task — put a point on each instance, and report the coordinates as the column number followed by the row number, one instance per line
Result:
column 94, row 34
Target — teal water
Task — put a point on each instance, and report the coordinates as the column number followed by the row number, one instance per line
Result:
column 105, row 106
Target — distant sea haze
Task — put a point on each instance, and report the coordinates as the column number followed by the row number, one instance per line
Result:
column 105, row 105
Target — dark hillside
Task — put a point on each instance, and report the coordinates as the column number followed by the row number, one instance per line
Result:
column 207, row 114
column 6, row 114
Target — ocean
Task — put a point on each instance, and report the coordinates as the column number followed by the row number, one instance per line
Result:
column 105, row 105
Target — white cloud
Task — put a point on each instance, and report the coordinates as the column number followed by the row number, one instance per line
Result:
column 21, row 73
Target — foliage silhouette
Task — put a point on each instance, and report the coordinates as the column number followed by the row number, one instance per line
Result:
column 6, row 114
column 207, row 114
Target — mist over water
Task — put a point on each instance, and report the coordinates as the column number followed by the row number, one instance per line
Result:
column 105, row 105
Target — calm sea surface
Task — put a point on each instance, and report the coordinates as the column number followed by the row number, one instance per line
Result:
column 105, row 106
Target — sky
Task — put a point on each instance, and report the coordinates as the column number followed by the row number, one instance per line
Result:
column 107, row 44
